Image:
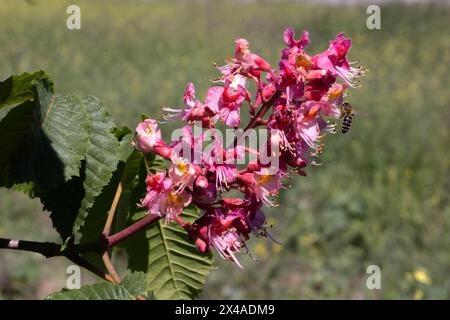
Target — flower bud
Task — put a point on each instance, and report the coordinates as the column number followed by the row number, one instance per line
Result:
column 148, row 135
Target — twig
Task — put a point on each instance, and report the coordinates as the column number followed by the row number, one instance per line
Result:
column 110, row 267
column 50, row 249
column 134, row 228
column 264, row 108
column 257, row 118
column 107, row 229
column 47, row 249
column 112, row 210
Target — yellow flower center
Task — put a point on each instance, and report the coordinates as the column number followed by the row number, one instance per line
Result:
column 182, row 166
column 304, row 62
column 174, row 198
column 265, row 178
column 333, row 95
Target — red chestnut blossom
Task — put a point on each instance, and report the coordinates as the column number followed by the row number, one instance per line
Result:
column 221, row 163
column 289, row 35
column 263, row 184
column 245, row 63
column 230, row 104
column 148, row 139
column 162, row 199
column 183, row 173
column 195, row 110
column 148, row 135
column 294, row 103
column 334, row 60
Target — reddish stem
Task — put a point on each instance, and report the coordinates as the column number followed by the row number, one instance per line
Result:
column 129, row 231
column 256, row 120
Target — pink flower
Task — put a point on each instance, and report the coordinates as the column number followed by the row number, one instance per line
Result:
column 188, row 146
column 173, row 205
column 227, row 100
column 330, row 103
column 318, row 84
column 294, row 104
column 263, row 184
column 149, row 139
column 221, row 163
column 307, row 125
column 161, row 199
column 296, row 157
column 195, row 110
column 288, row 37
column 213, row 96
column 215, row 229
column 148, row 135
column 268, row 184
column 245, row 63
column 157, row 187
column 205, row 192
column 334, row 60
column 230, row 103
column 183, row 173
column 250, row 62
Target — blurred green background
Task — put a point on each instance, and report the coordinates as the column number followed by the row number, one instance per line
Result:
column 382, row 195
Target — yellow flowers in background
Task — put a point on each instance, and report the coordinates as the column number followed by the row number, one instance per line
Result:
column 419, row 275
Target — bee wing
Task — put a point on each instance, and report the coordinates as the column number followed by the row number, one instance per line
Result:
column 361, row 113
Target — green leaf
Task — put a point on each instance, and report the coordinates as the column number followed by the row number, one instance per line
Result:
column 61, row 149
column 19, row 88
column 175, row 268
column 135, row 283
column 43, row 141
column 71, row 202
column 131, row 286
column 64, row 202
column 14, row 129
column 126, row 174
column 101, row 158
column 125, row 146
column 97, row 291
column 93, row 225
column 122, row 132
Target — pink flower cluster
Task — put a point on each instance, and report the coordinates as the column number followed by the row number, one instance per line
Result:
column 293, row 104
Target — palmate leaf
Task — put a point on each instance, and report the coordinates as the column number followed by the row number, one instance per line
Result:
column 130, row 287
column 175, row 268
column 58, row 148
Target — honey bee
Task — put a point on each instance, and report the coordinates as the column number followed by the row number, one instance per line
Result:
column 347, row 114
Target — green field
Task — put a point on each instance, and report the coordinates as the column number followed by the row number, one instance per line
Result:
column 382, row 195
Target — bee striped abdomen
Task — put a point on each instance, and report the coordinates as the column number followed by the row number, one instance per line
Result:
column 347, row 123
